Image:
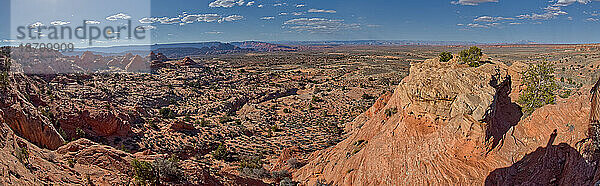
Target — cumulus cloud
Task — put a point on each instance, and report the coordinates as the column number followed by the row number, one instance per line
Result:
column 59, row 23
column 118, row 16
column 250, row 3
column 319, row 25
column 491, row 19
column 267, row 18
column 300, row 5
column 92, row 22
column 145, row 27
column 569, row 2
column 231, row 18
column 36, row 24
column 475, row 25
column 472, row 2
column 190, row 18
column 226, row 3
column 321, row 11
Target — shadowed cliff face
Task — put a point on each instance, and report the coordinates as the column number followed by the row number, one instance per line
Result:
column 503, row 114
column 551, row 165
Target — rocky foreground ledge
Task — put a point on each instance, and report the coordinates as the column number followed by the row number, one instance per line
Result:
column 450, row 124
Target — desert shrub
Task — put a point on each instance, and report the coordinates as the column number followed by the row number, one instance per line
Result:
column 279, row 175
column 22, row 154
column 80, row 133
column 286, row 110
column 540, row 88
column 445, row 56
column 471, row 56
column 225, row 119
column 71, row 163
column 251, row 162
column 143, row 172
column 294, row 163
column 287, row 182
column 367, row 96
column 391, row 111
column 168, row 169
column 167, row 113
column 221, row 152
column 256, row 173
column 203, row 123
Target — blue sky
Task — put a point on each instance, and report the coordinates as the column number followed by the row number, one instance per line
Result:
column 556, row 21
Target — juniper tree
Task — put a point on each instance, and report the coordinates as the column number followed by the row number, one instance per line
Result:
column 540, row 86
column 471, row 56
column 445, row 56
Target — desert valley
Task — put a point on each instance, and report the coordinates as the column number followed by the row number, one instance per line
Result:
column 255, row 113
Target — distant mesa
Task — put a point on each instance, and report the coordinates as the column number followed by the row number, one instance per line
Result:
column 187, row 61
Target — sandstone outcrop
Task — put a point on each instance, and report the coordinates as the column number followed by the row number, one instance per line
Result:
column 23, row 117
column 138, row 64
column 449, row 124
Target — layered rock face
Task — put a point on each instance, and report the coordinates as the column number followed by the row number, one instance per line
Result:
column 449, row 124
column 21, row 115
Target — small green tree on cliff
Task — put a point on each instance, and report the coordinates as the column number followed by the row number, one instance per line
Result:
column 445, row 56
column 540, row 88
column 471, row 56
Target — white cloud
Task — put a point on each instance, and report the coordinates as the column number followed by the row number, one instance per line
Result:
column 514, row 23
column 231, row 18
column 319, row 25
column 145, row 27
column 92, row 22
column 59, row 23
column 472, row 2
column 300, row 5
column 213, row 32
column 475, row 25
column 491, row 19
column 118, row 16
column 36, row 24
column 190, row 18
column 297, row 13
column 321, row 11
column 591, row 19
column 283, row 13
column 267, row 18
column 201, row 18
column 260, row 6
column 569, row 2
column 544, row 16
column 250, row 3
column 226, row 3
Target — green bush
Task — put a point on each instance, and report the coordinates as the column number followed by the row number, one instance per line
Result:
column 540, row 88
column 251, row 162
column 22, row 154
column 221, row 152
column 471, row 56
column 167, row 113
column 391, row 111
column 143, row 172
column 445, row 56
column 168, row 169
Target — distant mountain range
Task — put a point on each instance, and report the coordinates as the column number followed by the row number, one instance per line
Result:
column 376, row 42
column 180, row 50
